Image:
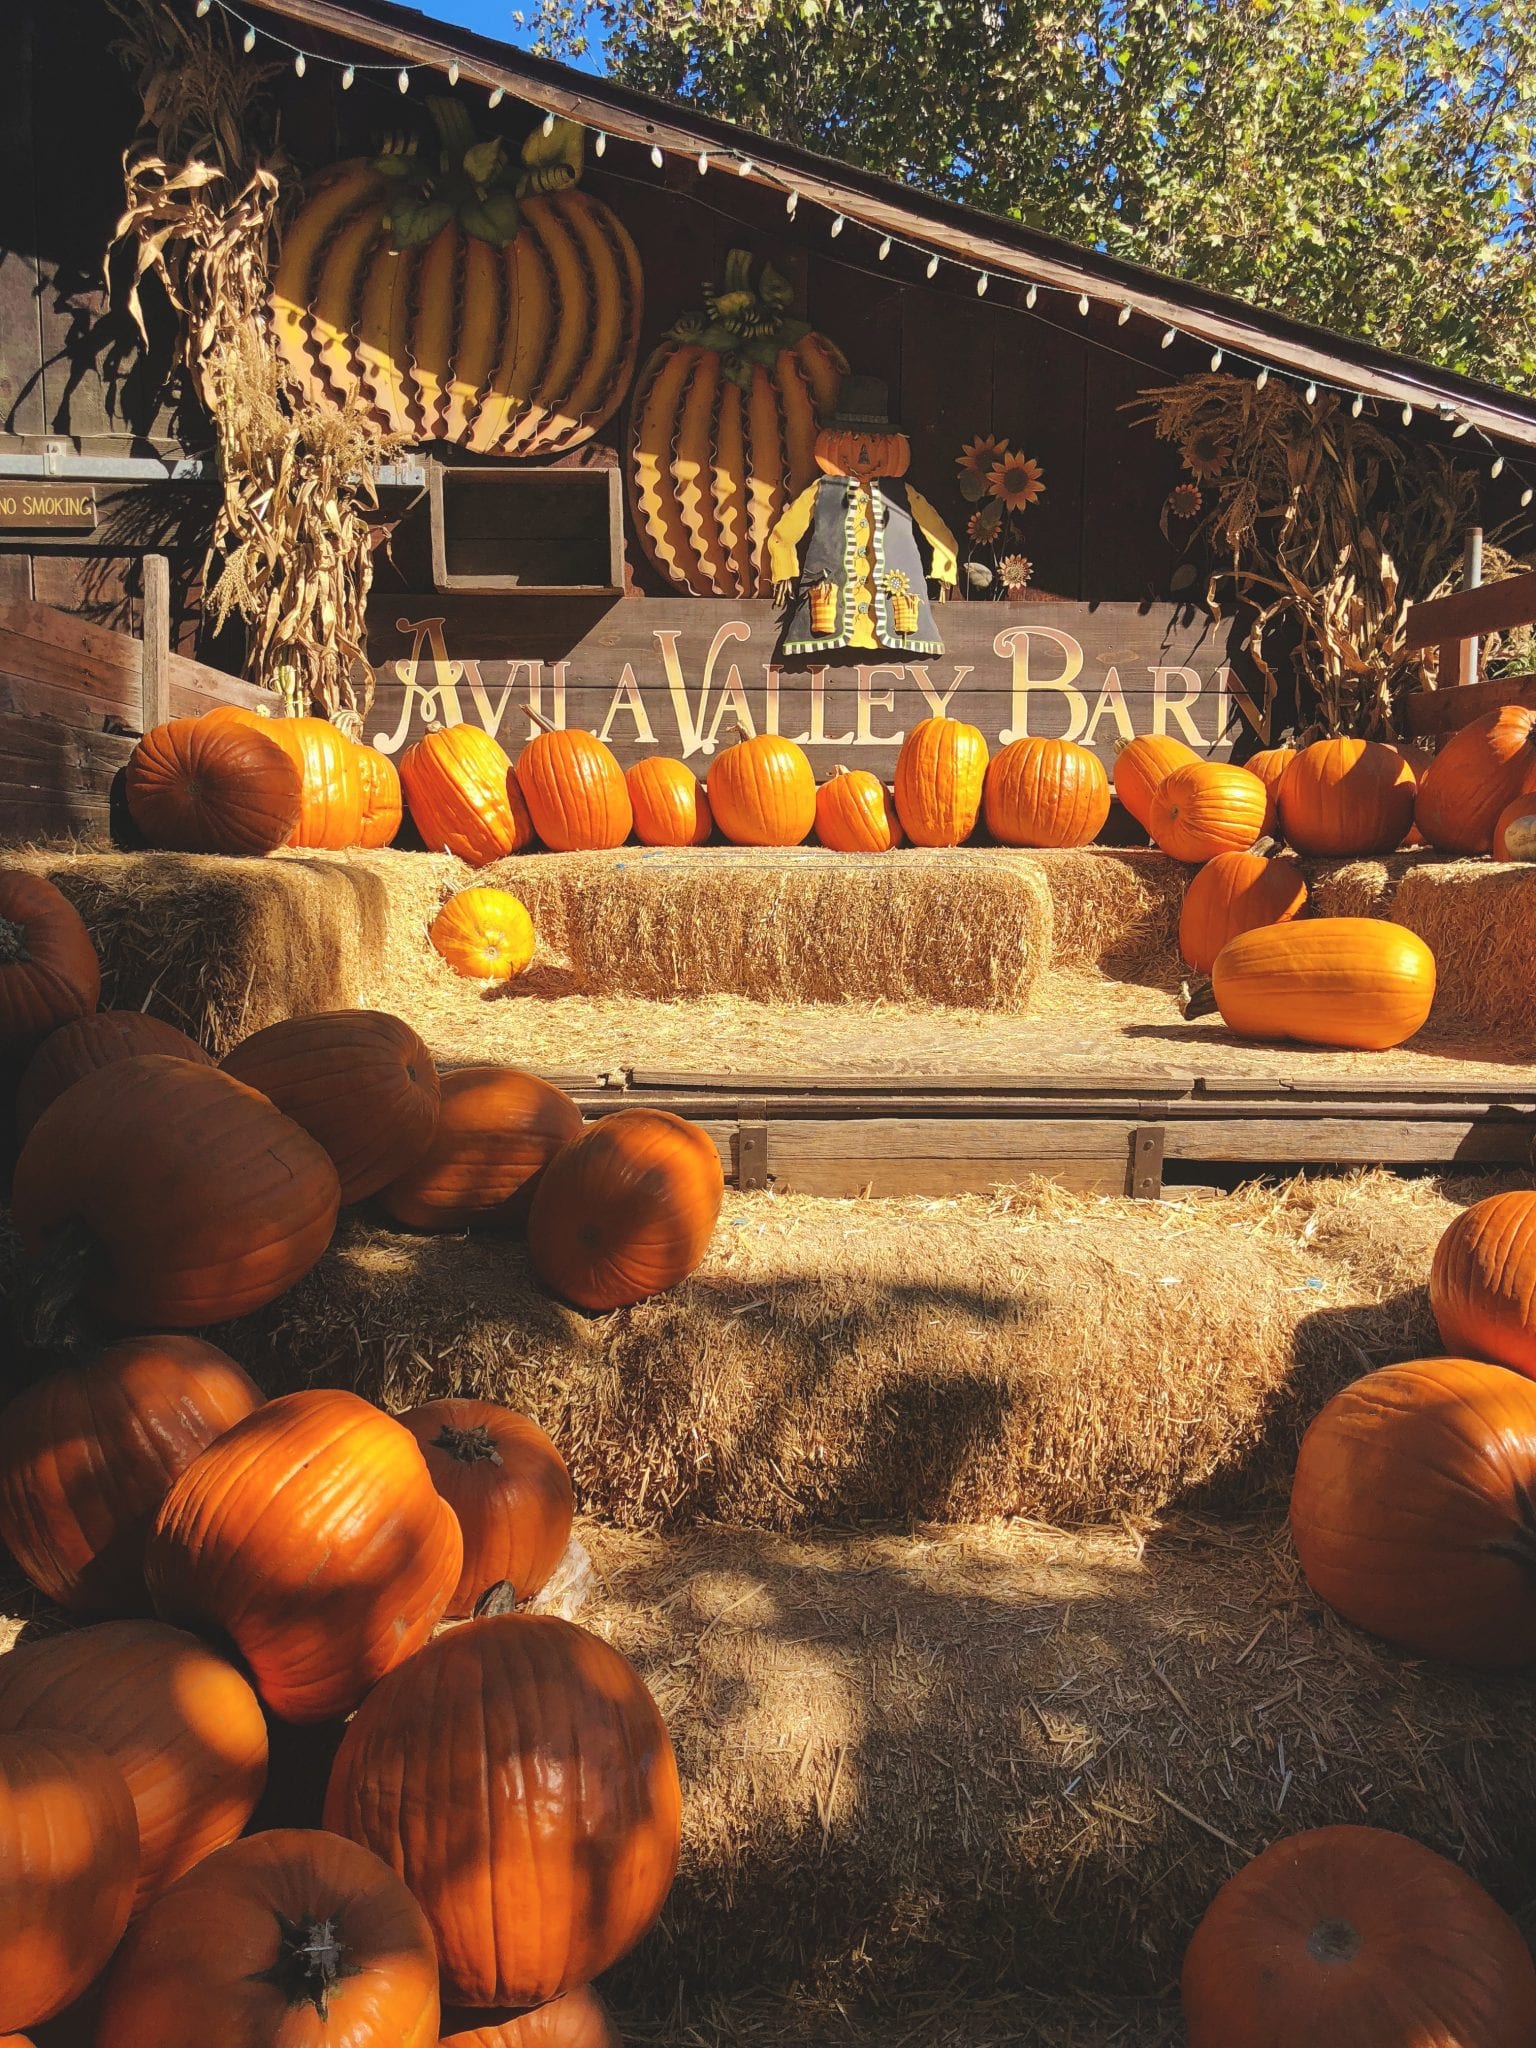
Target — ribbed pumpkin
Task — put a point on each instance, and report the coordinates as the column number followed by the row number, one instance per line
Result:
column 1514, row 831
column 311, row 1536
column 762, row 792
column 1206, row 808
column 669, row 803
column 1413, row 1509
column 577, row 2019
column 178, row 1720
column 290, row 1939
column 1482, row 1286
column 1347, row 981
column 855, row 813
column 1142, row 766
column 626, row 1210
column 177, row 1196
column 549, row 1753
column 201, row 785
column 484, row 934
column 330, row 780
column 497, row 307
column 1045, row 793
column 48, row 966
column 575, row 792
column 940, row 772
column 497, row 1130
column 359, row 1081
column 383, row 799
column 1351, row 1937
column 508, row 1486
column 88, row 1451
column 723, row 427
column 1236, row 892
column 1270, row 764
column 464, row 796
column 1477, row 772
column 1342, row 798
column 69, row 1860
column 1419, row 758
column 86, row 1043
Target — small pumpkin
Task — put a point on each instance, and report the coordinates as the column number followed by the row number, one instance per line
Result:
column 49, row 972
column 69, row 1861
column 1206, row 808
column 1477, row 772
column 330, row 780
column 88, row 1452
column 1482, row 1285
column 497, row 1131
column 1514, row 830
column 86, row 1043
column 383, row 799
column 359, row 1081
column 508, row 1486
column 1345, row 981
column 626, row 1210
column 762, row 792
column 855, row 813
column 1045, row 793
column 1142, row 766
column 293, row 1936
column 577, row 2019
column 940, row 772
column 1353, row 1937
column 669, row 803
column 210, row 785
column 1236, row 892
column 1342, row 798
column 311, row 1536
column 549, row 1752
column 484, row 934
column 464, row 797
column 178, row 1720
column 1270, row 764
column 865, row 452
column 575, row 791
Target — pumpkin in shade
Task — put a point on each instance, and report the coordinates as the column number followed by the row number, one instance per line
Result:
column 464, row 796
column 69, row 1861
column 1236, row 892
column 177, row 1719
column 484, row 934
column 330, row 780
column 49, row 972
column 383, row 799
column 1343, row 797
column 762, row 792
column 855, row 814
column 1477, row 772
column 359, row 1081
column 206, row 785
column 508, row 1486
column 548, row 1752
column 497, row 1131
column 1353, row 1937
column 1206, row 808
column 170, row 1195
column 1514, row 830
column 1142, row 766
column 1045, row 793
column 1413, row 1509
column 311, row 1536
column 940, row 772
column 626, row 1210
column 290, row 1937
column 577, row 2019
column 575, row 791
column 89, row 1451
column 1347, row 981
column 669, row 803
column 1482, row 1285
column 1418, row 758
column 1270, row 764
column 86, row 1043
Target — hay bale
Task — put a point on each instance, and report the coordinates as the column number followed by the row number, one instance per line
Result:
column 1116, row 911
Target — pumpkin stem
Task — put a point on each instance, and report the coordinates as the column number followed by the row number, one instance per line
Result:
column 52, row 1313
column 498, row 1599
column 1333, row 1941
column 311, row 1962
column 13, row 943
column 1198, row 999
column 544, row 724
column 470, row 1446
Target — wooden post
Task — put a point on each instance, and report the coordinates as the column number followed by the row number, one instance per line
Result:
column 1458, row 658
column 155, row 687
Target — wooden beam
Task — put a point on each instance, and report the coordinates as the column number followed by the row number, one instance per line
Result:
column 1470, row 614
column 1427, row 713
column 155, row 674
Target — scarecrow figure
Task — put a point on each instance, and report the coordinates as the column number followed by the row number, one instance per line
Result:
column 859, row 581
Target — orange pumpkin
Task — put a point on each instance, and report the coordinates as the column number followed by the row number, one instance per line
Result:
column 1344, row 797
column 49, row 972
column 577, row 2019
column 464, row 797
column 1141, row 768
column 1477, row 772
column 1270, row 764
column 1045, row 793
column 626, row 1210
column 1353, row 1937
column 855, row 814
column 1419, row 759
column 1482, row 1286
column 484, row 934
column 1206, row 808
column 330, row 780
column 206, row 785
column 575, row 792
column 1514, row 831
column 553, row 1761
column 383, row 799
column 1236, row 892
column 864, row 452
column 939, row 776
column 496, row 1132
column 359, row 1081
column 669, row 803
column 1347, row 981
column 86, row 1043
column 762, row 792
column 508, row 1486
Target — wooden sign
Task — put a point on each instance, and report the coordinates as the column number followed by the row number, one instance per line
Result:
column 675, row 675
column 47, row 507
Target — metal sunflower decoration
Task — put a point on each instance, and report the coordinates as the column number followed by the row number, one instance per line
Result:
column 1002, row 484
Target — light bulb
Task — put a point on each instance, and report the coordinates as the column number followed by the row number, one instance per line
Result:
column 1170, row 336
column 298, row 64
column 1461, row 427
column 1311, row 394
column 248, row 41
column 791, row 203
column 1407, row 415
column 1261, row 380
column 404, row 80
column 549, row 124
column 498, row 94
column 1498, row 466
column 1216, row 359
column 1123, row 316
column 600, row 147
column 745, row 168
column 885, row 248
column 1031, row 295
column 203, row 7
column 349, row 78
column 1357, row 407
column 703, row 161
column 656, row 156
column 1526, row 495
column 1082, row 304
column 981, row 286
column 453, row 72
column 837, row 227
column 933, row 266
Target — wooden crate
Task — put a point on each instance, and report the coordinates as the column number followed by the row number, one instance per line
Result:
column 536, row 532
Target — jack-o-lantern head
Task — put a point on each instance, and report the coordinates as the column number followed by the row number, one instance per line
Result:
column 859, row 439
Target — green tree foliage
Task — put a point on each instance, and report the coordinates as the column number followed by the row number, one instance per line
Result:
column 1368, row 164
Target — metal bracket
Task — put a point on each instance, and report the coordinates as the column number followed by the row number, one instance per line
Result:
column 1146, row 1163
column 751, row 1154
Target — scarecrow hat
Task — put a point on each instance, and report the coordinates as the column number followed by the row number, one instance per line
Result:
column 862, row 402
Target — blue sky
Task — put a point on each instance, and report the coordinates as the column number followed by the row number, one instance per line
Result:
column 486, row 17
